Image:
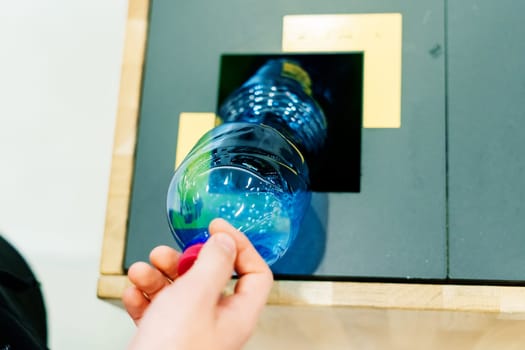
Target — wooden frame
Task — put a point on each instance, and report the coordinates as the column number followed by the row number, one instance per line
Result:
column 113, row 281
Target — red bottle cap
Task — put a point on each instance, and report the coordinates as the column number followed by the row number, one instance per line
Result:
column 188, row 258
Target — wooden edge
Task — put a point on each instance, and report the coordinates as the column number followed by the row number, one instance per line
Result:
column 499, row 299
column 111, row 287
column 113, row 244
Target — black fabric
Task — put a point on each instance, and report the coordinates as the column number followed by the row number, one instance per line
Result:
column 23, row 319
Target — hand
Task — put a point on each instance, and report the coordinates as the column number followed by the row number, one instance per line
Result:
column 191, row 311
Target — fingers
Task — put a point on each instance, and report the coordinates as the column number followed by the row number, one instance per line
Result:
column 165, row 259
column 248, row 259
column 251, row 294
column 255, row 277
column 214, row 267
column 135, row 303
column 147, row 279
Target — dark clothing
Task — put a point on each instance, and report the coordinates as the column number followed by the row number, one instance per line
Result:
column 23, row 320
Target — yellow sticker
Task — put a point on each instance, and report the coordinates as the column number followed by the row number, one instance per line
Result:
column 378, row 35
column 192, row 126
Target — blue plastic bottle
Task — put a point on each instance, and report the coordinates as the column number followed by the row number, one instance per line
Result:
column 250, row 170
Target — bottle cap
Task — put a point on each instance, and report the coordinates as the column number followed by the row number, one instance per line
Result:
column 188, row 258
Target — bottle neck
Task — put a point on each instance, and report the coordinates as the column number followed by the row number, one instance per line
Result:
column 285, row 71
column 279, row 95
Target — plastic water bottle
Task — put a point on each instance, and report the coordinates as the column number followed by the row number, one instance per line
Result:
column 251, row 170
column 280, row 95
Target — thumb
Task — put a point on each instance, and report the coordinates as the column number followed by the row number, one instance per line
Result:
column 214, row 265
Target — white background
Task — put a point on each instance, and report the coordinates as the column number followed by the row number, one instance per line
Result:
column 60, row 66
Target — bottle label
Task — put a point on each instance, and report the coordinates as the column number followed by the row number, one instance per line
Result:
column 293, row 71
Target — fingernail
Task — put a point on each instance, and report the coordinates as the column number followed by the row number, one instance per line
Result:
column 225, row 241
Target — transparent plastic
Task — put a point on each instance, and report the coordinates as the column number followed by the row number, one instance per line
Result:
column 250, row 170
column 280, row 95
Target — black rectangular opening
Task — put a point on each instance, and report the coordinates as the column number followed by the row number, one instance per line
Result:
column 337, row 86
